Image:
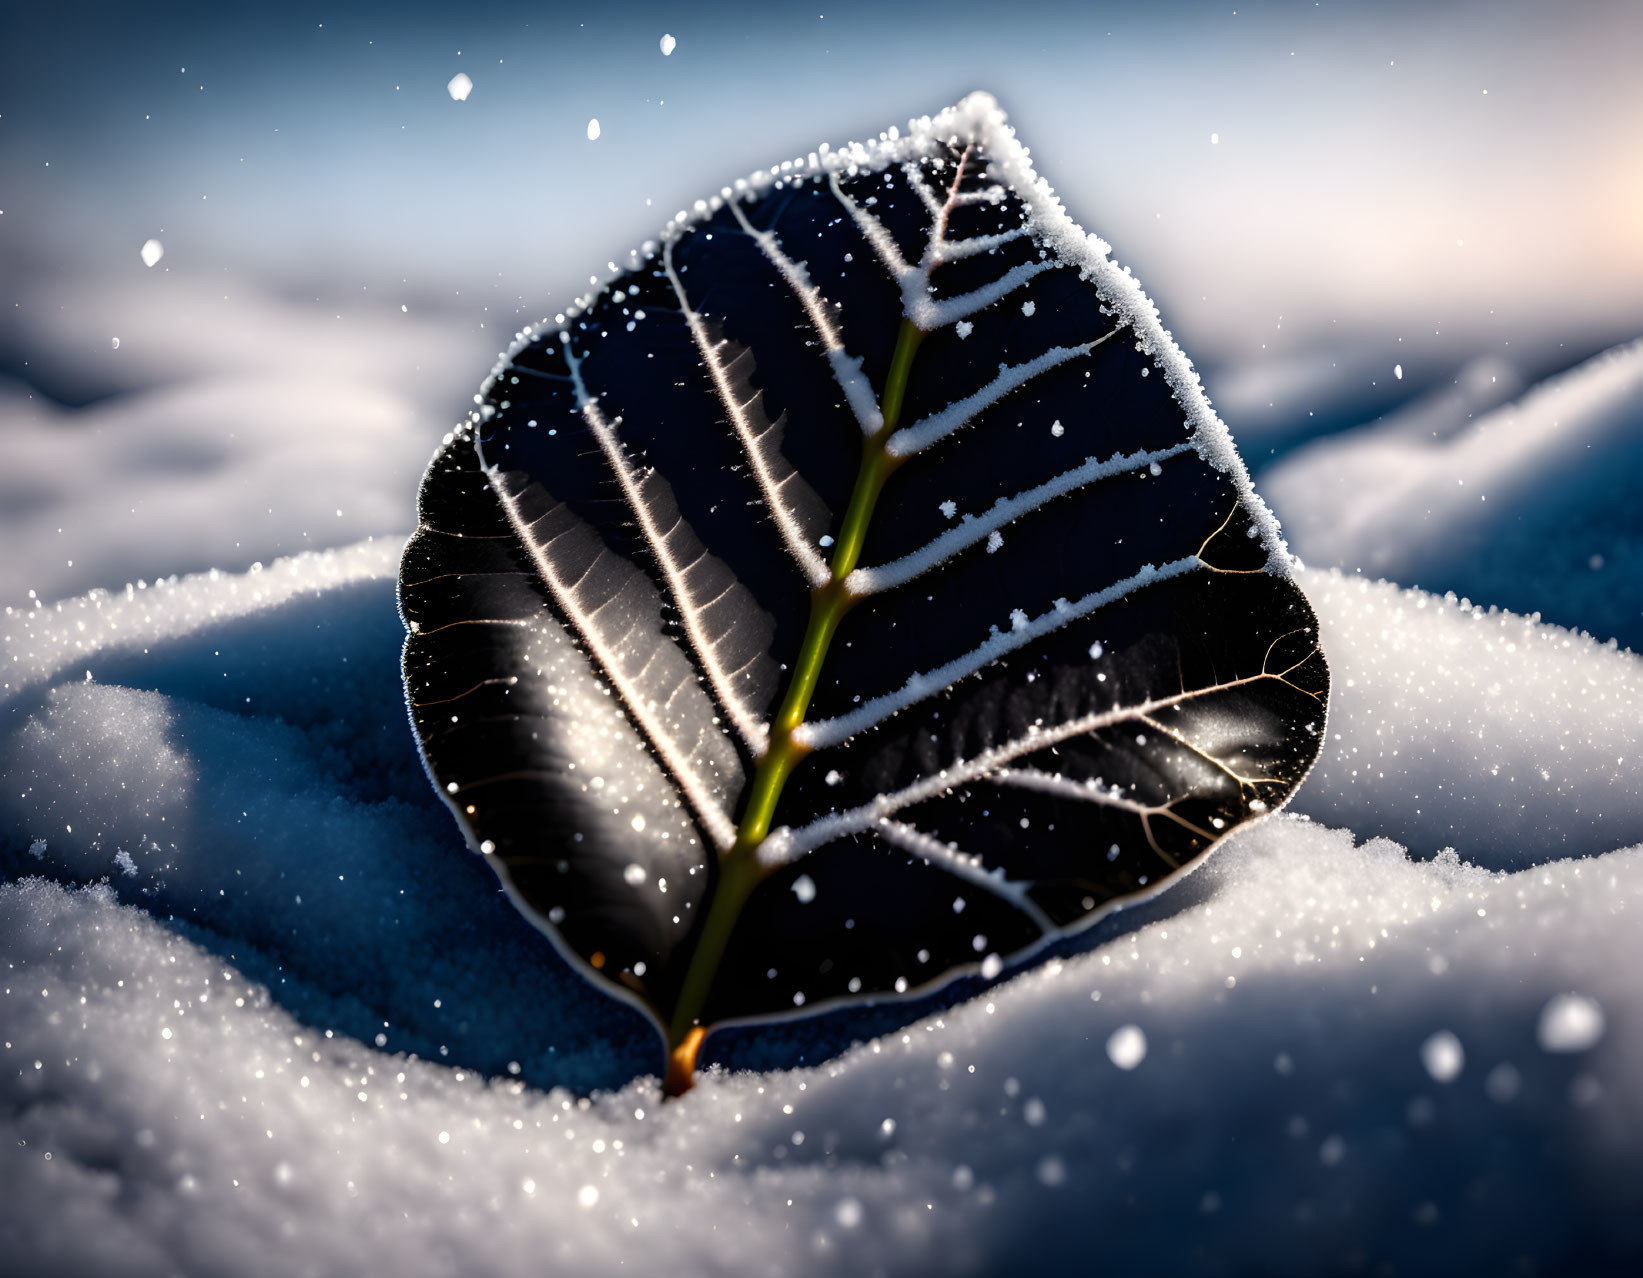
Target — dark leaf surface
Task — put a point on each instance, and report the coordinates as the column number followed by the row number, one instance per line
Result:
column 1059, row 661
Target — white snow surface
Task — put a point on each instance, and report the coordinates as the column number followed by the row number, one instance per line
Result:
column 228, row 429
column 1237, row 1076
column 1453, row 725
column 42, row 641
column 1532, row 504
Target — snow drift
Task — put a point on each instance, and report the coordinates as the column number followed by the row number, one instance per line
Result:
column 1531, row 506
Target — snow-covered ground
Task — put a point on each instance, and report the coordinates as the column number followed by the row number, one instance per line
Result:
column 262, row 1013
column 1531, row 505
column 225, row 427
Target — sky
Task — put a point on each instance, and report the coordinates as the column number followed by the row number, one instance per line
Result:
column 1352, row 164
column 1335, row 205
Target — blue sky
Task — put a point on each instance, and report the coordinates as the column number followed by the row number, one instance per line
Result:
column 1285, row 177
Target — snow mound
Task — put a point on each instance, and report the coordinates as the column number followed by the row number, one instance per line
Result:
column 254, row 765
column 1530, row 506
column 1452, row 725
column 225, row 430
column 41, row 642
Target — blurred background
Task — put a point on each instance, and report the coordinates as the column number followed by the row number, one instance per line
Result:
column 1372, row 226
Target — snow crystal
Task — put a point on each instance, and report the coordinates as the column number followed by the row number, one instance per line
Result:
column 152, row 252
column 37, row 849
column 995, row 540
column 123, row 859
column 1127, row 1046
column 593, row 130
column 1397, row 371
column 1443, row 1056
column 804, row 887
column 1569, row 1023
column 116, row 343
column 1057, row 429
column 634, row 874
column 1029, row 308
column 669, row 44
column 964, row 328
column 460, row 86
column 949, row 508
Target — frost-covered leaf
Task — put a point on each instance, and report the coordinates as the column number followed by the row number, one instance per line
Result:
column 855, row 590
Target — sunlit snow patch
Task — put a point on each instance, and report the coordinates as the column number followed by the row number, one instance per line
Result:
column 460, row 87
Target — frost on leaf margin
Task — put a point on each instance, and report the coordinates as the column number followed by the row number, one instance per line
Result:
column 1067, row 658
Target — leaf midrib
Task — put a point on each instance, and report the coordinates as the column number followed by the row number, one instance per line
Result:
column 740, row 869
